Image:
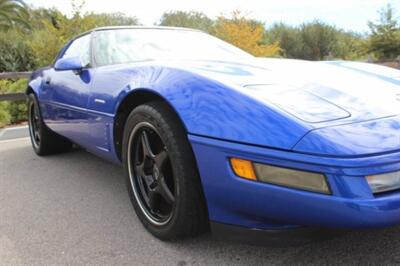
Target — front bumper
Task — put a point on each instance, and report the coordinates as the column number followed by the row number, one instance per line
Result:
column 236, row 201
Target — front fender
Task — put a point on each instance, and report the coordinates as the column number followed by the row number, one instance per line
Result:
column 213, row 109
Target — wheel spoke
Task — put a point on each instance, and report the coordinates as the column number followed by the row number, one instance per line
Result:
column 140, row 173
column 139, row 169
column 37, row 135
column 154, row 200
column 147, row 152
column 149, row 181
column 160, row 159
column 164, row 191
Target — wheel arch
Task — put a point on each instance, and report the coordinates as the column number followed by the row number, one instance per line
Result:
column 34, row 86
column 29, row 90
column 129, row 102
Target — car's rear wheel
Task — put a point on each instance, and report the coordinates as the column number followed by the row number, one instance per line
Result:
column 161, row 172
column 44, row 141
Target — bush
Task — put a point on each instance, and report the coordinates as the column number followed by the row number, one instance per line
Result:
column 192, row 19
column 13, row 112
column 246, row 34
column 4, row 115
column 316, row 41
column 15, row 54
column 289, row 39
column 18, row 110
column 385, row 35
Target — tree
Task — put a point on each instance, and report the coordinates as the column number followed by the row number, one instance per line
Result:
column 289, row 39
column 15, row 54
column 316, row 41
column 349, row 46
column 13, row 13
column 93, row 20
column 319, row 40
column 246, row 34
column 385, row 35
column 192, row 19
column 57, row 29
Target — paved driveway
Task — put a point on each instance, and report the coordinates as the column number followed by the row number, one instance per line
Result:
column 73, row 209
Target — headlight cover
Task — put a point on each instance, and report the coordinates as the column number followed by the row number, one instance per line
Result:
column 384, row 182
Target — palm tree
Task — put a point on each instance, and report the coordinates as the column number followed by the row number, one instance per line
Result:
column 13, row 13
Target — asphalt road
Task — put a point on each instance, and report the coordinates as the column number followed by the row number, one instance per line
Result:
column 73, row 209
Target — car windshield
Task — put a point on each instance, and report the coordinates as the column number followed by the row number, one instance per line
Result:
column 132, row 45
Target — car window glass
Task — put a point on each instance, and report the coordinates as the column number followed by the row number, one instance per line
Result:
column 133, row 45
column 80, row 48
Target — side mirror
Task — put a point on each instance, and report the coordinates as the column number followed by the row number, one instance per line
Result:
column 69, row 63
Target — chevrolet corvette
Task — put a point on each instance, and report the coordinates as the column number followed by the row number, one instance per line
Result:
column 211, row 137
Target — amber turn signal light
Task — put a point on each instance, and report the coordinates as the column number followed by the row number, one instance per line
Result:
column 243, row 168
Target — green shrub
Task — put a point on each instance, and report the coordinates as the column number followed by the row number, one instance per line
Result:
column 385, row 35
column 15, row 54
column 17, row 110
column 192, row 19
column 5, row 117
column 13, row 112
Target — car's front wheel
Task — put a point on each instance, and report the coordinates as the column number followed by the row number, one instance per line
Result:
column 44, row 141
column 161, row 173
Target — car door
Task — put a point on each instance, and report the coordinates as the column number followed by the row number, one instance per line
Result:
column 66, row 93
column 106, row 85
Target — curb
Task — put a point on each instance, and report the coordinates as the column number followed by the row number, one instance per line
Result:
column 14, row 133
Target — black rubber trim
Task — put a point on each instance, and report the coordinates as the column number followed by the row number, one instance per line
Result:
column 279, row 238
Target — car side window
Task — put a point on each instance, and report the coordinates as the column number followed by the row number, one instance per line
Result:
column 79, row 48
column 115, row 47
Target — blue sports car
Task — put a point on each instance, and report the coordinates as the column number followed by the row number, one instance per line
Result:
column 212, row 137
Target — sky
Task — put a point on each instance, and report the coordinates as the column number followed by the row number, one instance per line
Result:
column 347, row 14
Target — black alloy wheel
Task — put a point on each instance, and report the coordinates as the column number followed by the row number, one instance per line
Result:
column 163, row 182
column 34, row 124
column 151, row 175
column 44, row 140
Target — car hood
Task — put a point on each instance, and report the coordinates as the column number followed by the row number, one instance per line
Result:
column 356, row 139
column 338, row 101
column 314, row 92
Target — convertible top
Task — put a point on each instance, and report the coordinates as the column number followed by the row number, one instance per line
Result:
column 143, row 27
column 135, row 27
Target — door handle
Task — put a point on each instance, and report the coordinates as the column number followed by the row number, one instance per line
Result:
column 47, row 80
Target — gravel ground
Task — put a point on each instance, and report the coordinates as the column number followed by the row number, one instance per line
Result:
column 73, row 209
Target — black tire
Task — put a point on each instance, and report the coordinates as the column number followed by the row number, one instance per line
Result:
column 188, row 214
column 44, row 141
